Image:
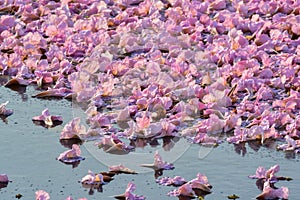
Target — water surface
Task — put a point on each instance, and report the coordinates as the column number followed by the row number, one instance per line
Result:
column 28, row 155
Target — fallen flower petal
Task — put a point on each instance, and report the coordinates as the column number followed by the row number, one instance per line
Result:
column 184, row 190
column 72, row 155
column 61, row 92
column 121, row 169
column 3, row 178
column 73, row 129
column 42, row 195
column 128, row 195
column 5, row 112
column 176, row 181
column 17, row 81
column 272, row 193
column 47, row 119
column 159, row 163
column 92, row 179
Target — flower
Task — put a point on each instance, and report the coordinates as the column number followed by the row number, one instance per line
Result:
column 48, row 120
column 176, row 181
column 42, row 195
column 52, row 92
column 112, row 144
column 270, row 192
column 71, row 156
column 92, row 179
column 159, row 164
column 292, row 145
column 262, row 173
column 129, row 193
column 73, row 129
column 3, row 178
column 184, row 190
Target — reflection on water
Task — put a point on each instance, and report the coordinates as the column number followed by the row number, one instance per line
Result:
column 42, row 123
column 255, row 145
column 93, row 188
column 3, row 185
column 168, row 142
column 21, row 90
column 73, row 164
column 69, row 142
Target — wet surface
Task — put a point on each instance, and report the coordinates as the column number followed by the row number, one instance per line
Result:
column 28, row 156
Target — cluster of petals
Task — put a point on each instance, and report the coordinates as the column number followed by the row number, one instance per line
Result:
column 197, row 187
column 73, row 130
column 270, row 192
column 290, row 145
column 215, row 66
column 92, row 179
column 161, row 66
column 266, row 181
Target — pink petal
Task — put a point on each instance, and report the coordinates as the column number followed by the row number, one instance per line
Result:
column 3, row 178
column 42, row 195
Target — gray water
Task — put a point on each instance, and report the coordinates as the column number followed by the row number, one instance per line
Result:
column 28, row 155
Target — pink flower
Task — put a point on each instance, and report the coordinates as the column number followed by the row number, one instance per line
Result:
column 273, row 193
column 3, row 178
column 129, row 193
column 203, row 138
column 121, row 169
column 269, row 175
column 143, row 122
column 70, row 198
column 73, row 129
column 260, row 173
column 112, row 144
column 43, row 77
column 218, row 4
column 60, row 92
column 47, row 119
column 176, row 181
column 212, row 125
column 42, row 195
column 159, row 164
column 292, row 145
column 92, row 179
column 72, row 155
column 184, row 190
column 100, row 120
